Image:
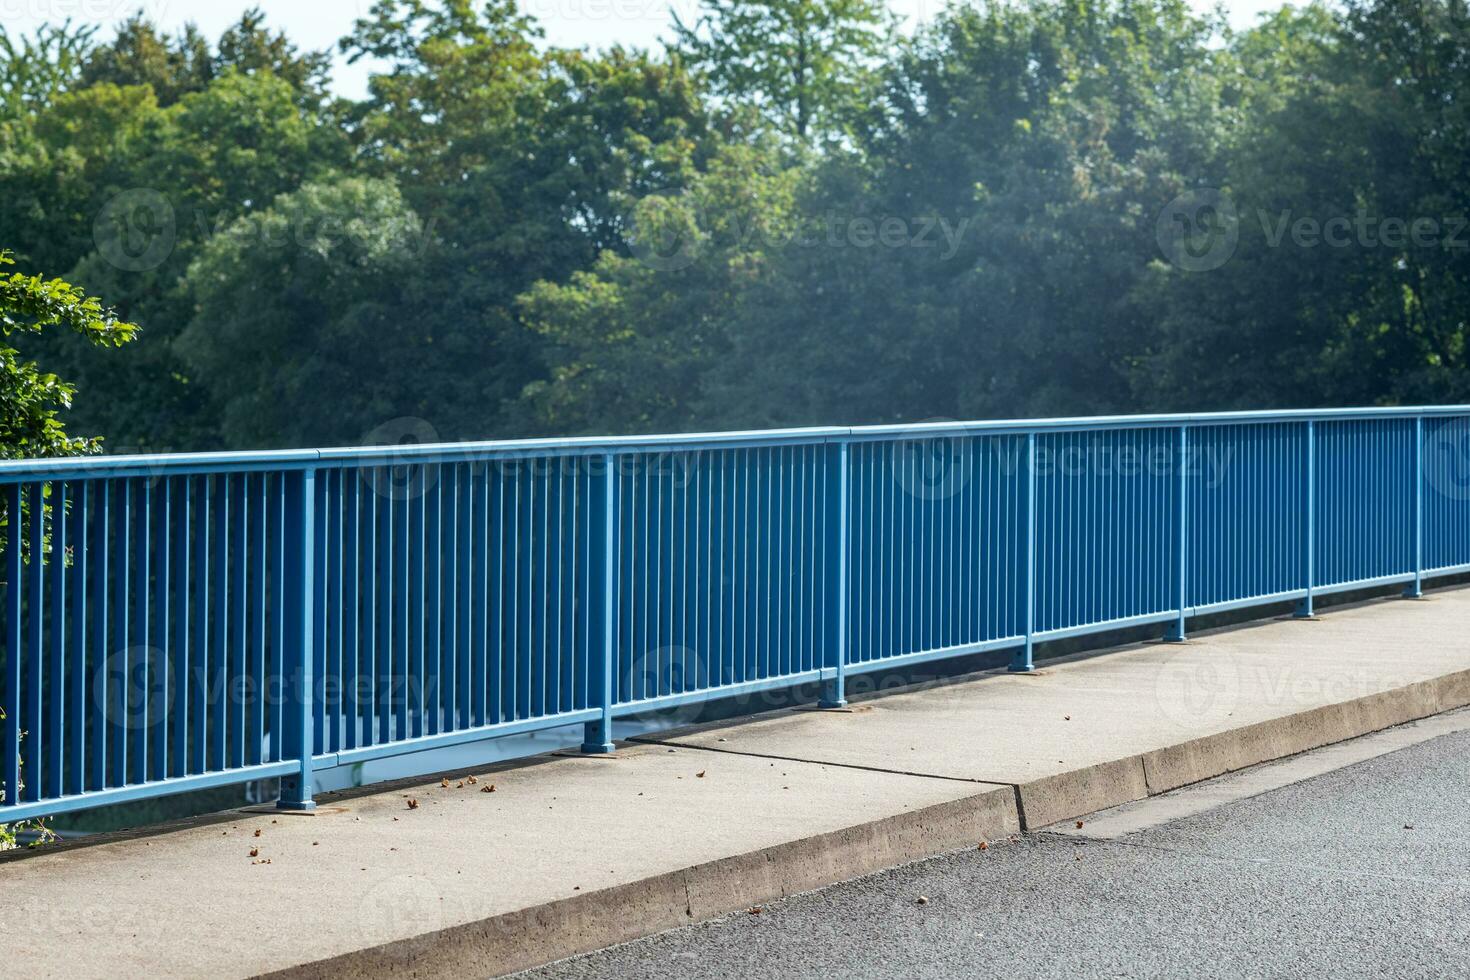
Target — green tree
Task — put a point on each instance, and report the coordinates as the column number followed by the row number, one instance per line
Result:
column 1352, row 134
column 631, row 341
column 33, row 70
column 297, row 305
column 802, row 65
column 31, row 399
column 524, row 163
column 142, row 54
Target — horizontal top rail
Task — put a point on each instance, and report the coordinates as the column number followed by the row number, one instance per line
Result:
column 101, row 467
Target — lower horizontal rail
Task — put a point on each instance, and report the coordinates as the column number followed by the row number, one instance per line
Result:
column 944, row 653
column 717, row 693
column 408, row 746
column 148, row 790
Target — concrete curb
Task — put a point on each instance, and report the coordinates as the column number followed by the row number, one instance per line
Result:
column 1073, row 794
column 533, row 936
column 541, row 934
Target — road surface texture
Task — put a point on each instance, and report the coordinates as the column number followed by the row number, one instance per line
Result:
column 1361, row 871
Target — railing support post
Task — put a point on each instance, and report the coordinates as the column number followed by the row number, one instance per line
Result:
column 1175, row 633
column 834, row 691
column 597, row 735
column 1415, row 589
column 300, row 612
column 1024, row 660
column 10, row 774
column 1304, row 609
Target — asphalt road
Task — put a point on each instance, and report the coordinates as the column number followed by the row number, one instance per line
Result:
column 1363, row 871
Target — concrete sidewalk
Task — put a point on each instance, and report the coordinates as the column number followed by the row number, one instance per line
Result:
column 570, row 854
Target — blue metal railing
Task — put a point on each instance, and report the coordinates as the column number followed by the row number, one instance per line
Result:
column 173, row 623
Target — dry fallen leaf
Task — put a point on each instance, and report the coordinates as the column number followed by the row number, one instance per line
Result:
column 459, row 785
column 923, row 899
column 257, row 831
column 413, row 804
column 471, row 780
column 488, row 789
column 1079, row 825
column 754, row 910
column 255, row 852
column 984, row 846
column 700, row 774
column 444, row 783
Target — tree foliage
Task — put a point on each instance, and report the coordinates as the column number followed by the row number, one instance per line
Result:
column 30, row 398
column 802, row 66
column 790, row 214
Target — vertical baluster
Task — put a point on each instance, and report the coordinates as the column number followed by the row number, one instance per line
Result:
column 465, row 677
column 101, row 686
column 495, row 583
column 183, row 687
column 33, row 721
column 351, row 577
column 10, row 726
column 385, row 677
column 1176, row 633
column 334, row 616
column 120, row 668
column 834, row 692
column 159, row 685
column 1305, row 607
column 240, row 679
column 80, row 681
column 479, row 625
column 321, row 546
column 539, row 592
column 204, row 606
column 402, row 563
column 378, row 611
column 1024, row 659
column 431, row 602
column 1416, row 588
column 259, row 605
column 598, row 735
column 415, row 612
column 56, row 672
column 222, row 684
column 140, row 640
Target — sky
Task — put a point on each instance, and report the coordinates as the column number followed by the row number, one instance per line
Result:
column 318, row 24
